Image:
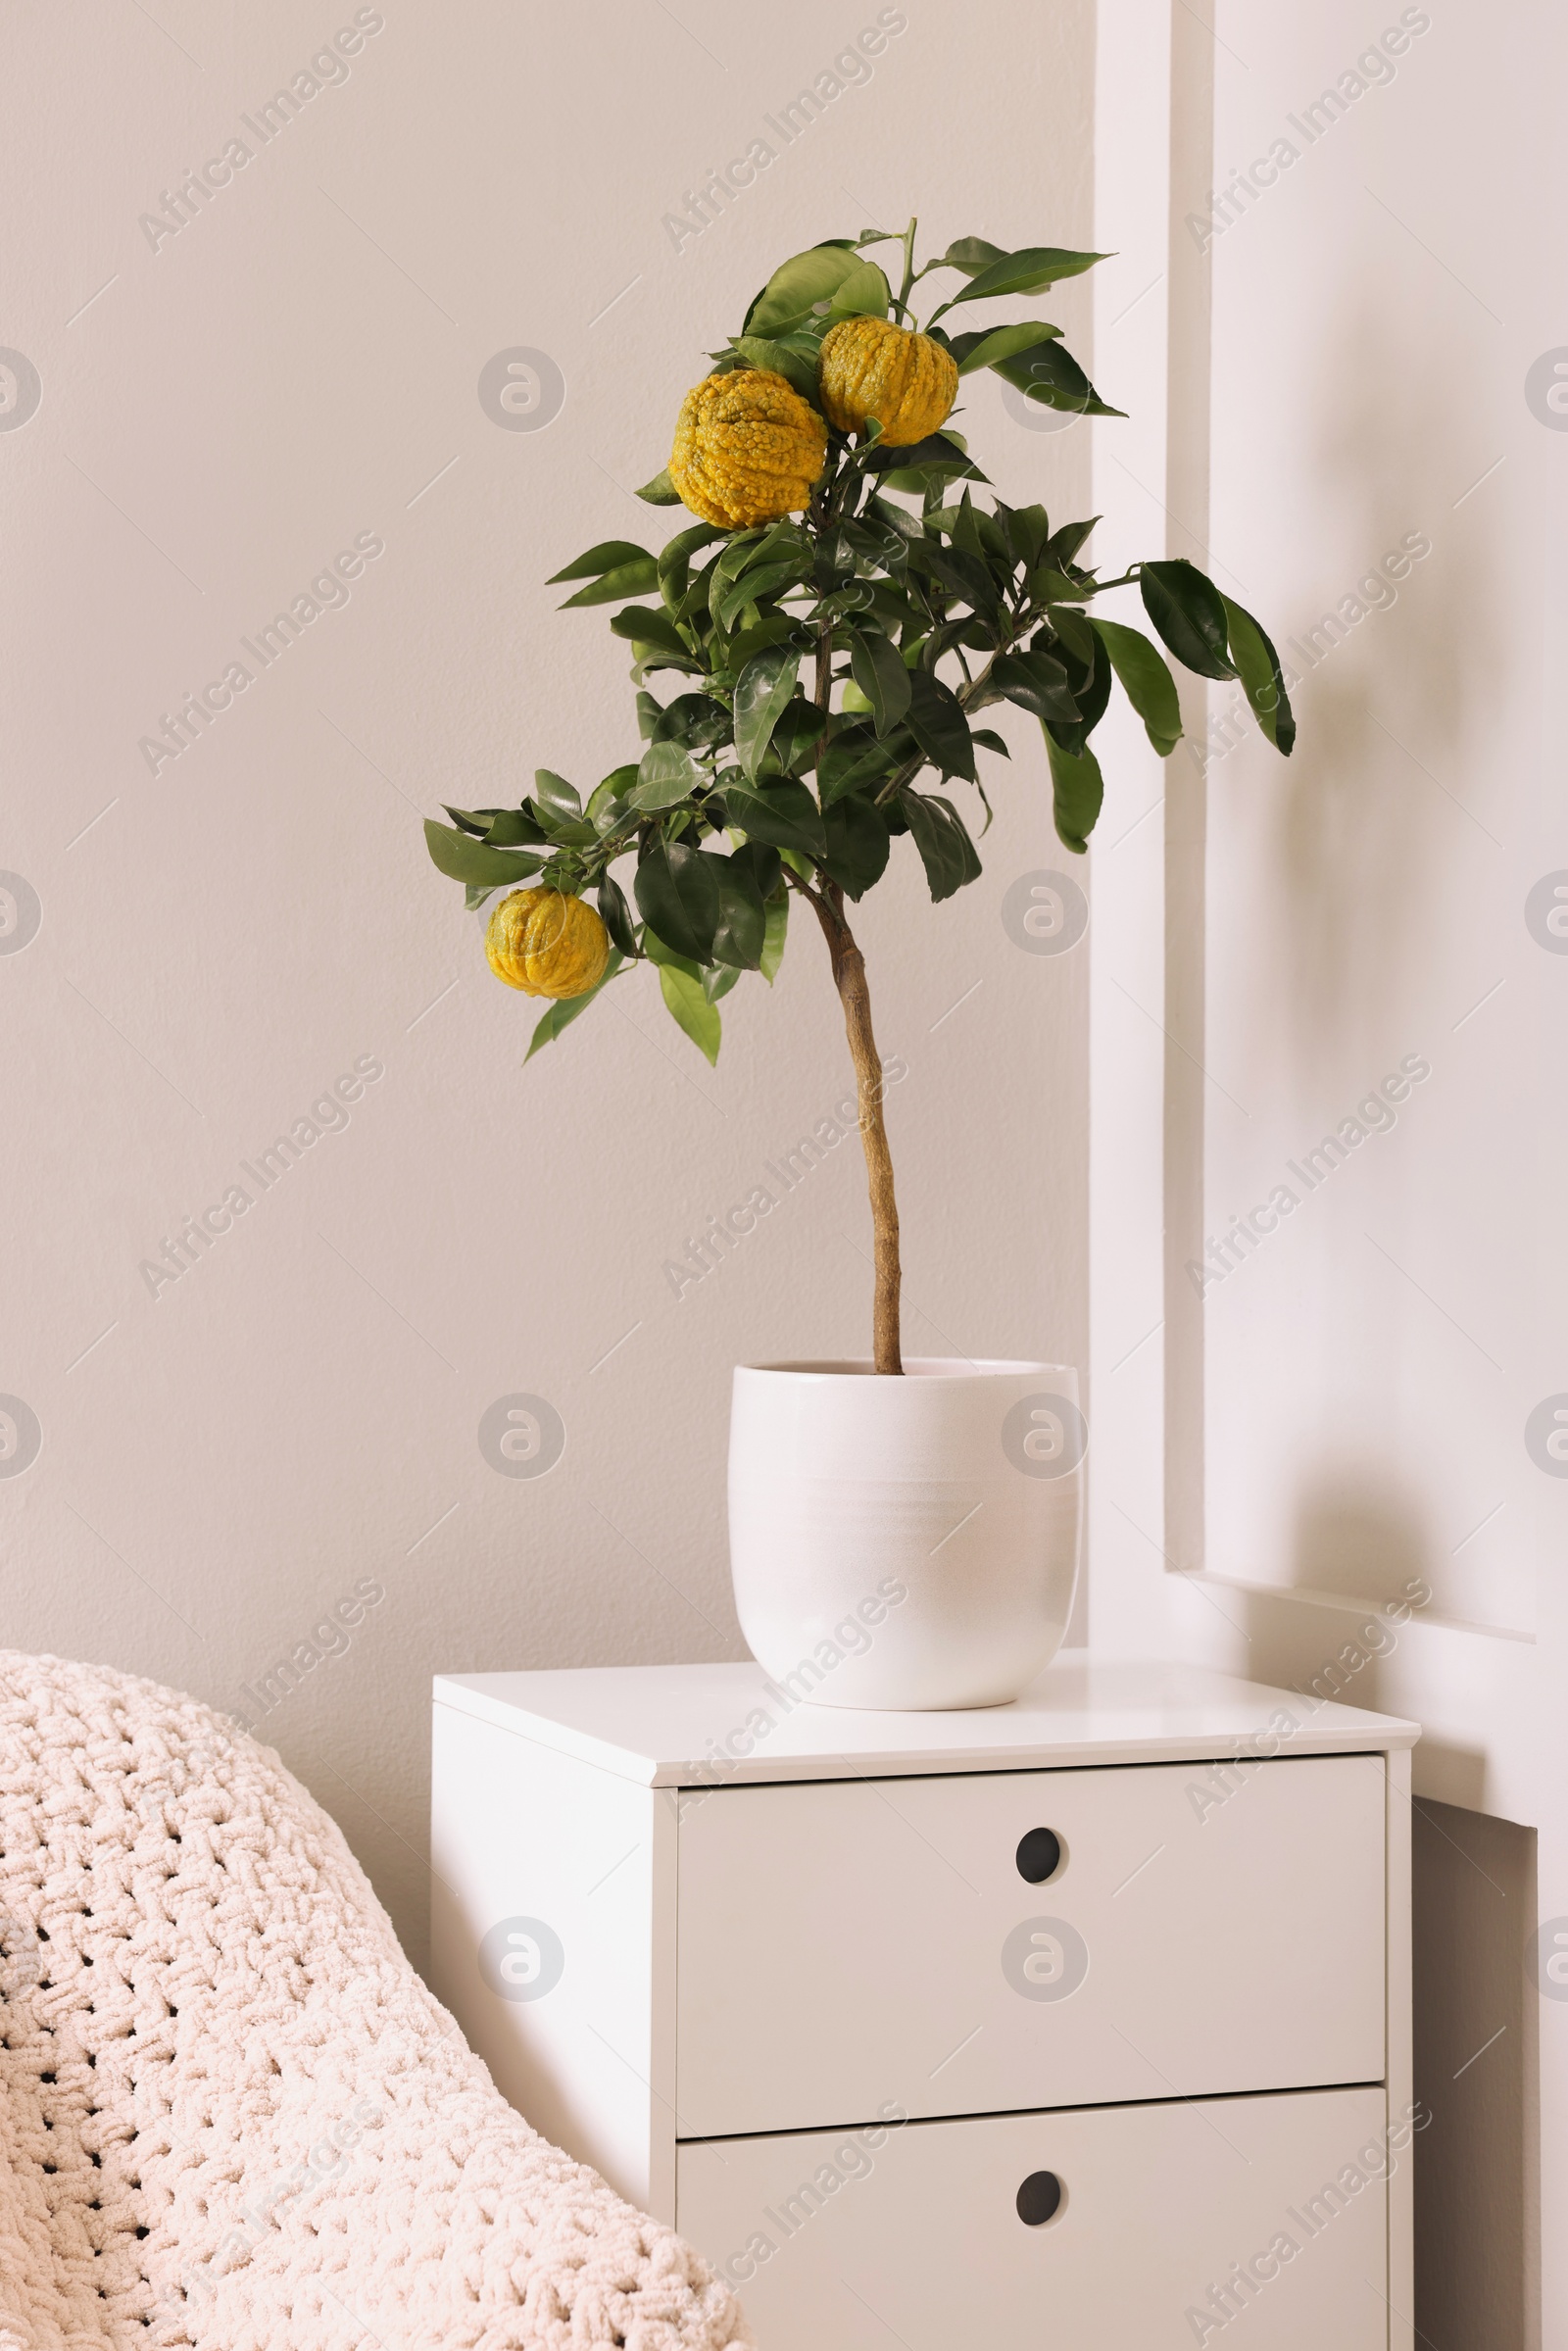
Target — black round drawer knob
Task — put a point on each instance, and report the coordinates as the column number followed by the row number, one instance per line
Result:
column 1039, row 1855
column 1039, row 2199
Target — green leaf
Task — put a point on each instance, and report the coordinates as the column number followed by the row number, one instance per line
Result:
column 742, row 917
column 761, row 690
column 560, row 1014
column 667, row 775
column 1037, row 682
column 987, row 345
column 778, row 924
column 1257, row 666
column 1028, row 529
column 1091, row 691
column 628, row 580
column 696, row 720
column 1073, row 633
column 569, row 832
column 797, row 730
column 476, row 821
column 1077, row 788
column 657, row 951
column 853, row 759
column 676, row 887
column 743, row 545
column 616, row 915
column 1189, row 612
column 938, row 724
column 795, row 288
column 940, row 455
column 647, row 624
column 719, row 979
column 764, row 863
column 607, row 802
column 861, row 293
column 463, row 859
column 1028, row 271
column 611, row 555
column 989, row 740
column 966, row 575
column 972, row 254
column 752, row 586
column 691, row 1010
column 1063, row 545
column 553, row 791
column 1049, row 375
column 660, row 491
column 798, row 372
column 1146, row 681
column 478, row 894
column 675, row 559
column 514, row 828
column 1048, row 585
column 782, row 813
column 877, row 668
column 777, row 629
column 942, row 837
column 857, row 845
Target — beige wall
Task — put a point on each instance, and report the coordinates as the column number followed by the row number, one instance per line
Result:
column 223, row 410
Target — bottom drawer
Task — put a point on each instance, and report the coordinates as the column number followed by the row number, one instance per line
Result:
column 1171, row 2224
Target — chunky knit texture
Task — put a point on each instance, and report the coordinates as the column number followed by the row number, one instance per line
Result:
column 231, row 2114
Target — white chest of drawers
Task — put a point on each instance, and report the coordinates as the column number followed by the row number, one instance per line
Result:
column 1080, row 2021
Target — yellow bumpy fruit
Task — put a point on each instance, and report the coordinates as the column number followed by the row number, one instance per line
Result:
column 870, row 367
column 546, row 943
column 747, row 449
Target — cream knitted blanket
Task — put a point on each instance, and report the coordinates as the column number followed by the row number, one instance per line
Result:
column 231, row 2114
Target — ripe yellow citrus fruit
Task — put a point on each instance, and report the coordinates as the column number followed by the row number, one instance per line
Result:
column 547, row 944
column 747, row 449
column 870, row 367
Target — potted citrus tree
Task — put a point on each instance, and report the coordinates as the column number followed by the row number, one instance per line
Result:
column 812, row 657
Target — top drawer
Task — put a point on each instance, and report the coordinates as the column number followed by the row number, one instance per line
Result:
column 849, row 1948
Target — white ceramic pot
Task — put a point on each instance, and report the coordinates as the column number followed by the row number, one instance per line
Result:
column 905, row 1542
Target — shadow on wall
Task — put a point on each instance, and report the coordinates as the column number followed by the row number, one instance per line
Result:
column 1357, row 1535
column 1358, row 799
column 1476, row 2183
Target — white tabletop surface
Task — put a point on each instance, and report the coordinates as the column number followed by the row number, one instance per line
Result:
column 674, row 1726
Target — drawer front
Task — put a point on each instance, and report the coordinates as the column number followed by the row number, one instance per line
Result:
column 853, row 1947
column 839, row 2242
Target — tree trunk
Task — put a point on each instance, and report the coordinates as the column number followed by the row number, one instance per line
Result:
column 848, row 978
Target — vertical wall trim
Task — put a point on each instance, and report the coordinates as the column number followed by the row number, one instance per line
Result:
column 1188, row 427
